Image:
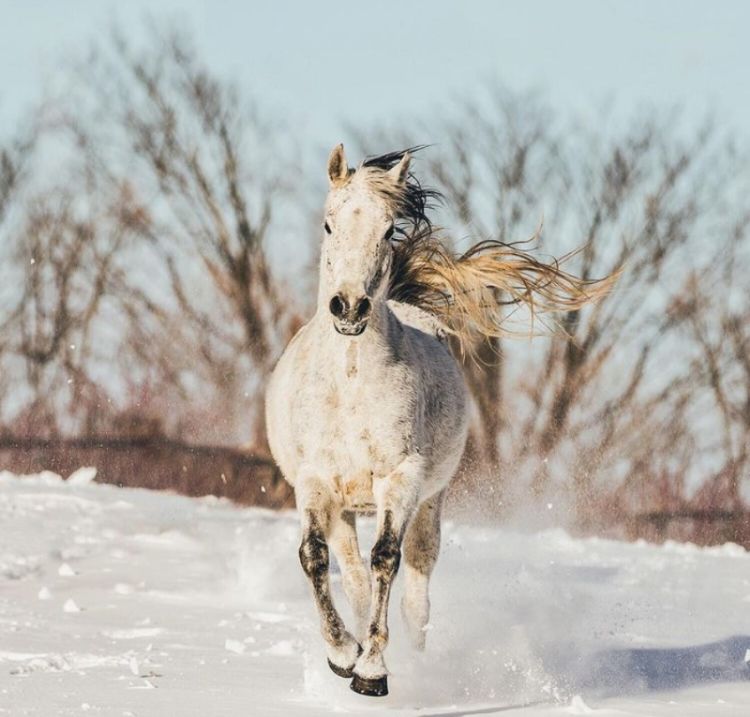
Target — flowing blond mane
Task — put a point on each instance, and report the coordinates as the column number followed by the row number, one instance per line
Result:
column 469, row 293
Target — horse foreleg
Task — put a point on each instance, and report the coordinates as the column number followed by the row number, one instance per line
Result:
column 396, row 497
column 421, row 548
column 317, row 520
column 354, row 575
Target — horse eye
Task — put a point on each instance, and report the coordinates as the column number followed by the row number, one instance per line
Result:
column 389, row 233
column 327, row 228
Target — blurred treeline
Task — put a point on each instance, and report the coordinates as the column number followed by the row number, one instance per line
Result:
column 147, row 287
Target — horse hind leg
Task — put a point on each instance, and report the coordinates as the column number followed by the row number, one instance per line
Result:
column 317, row 520
column 421, row 549
column 354, row 576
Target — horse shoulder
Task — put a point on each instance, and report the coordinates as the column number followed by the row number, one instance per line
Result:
column 282, row 387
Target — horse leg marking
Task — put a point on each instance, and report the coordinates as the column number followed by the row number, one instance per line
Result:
column 343, row 649
column 385, row 559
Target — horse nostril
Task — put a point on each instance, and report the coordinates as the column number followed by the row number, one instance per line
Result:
column 338, row 306
column 363, row 308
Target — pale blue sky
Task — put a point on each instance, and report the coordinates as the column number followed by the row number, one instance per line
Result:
column 323, row 62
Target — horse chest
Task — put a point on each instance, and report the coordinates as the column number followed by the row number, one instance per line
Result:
column 349, row 414
column 359, row 433
column 353, row 442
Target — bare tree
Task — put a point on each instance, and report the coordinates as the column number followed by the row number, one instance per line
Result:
column 718, row 321
column 149, row 255
column 65, row 261
column 214, row 176
column 188, row 177
column 610, row 397
column 14, row 156
column 209, row 174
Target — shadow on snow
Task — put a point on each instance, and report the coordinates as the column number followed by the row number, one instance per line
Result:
column 627, row 671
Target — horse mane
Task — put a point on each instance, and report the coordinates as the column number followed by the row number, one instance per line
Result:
column 468, row 293
column 410, row 201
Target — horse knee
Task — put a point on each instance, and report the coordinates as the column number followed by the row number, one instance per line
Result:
column 313, row 556
column 386, row 554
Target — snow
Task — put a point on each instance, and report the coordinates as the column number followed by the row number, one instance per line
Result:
column 132, row 603
column 70, row 606
column 66, row 571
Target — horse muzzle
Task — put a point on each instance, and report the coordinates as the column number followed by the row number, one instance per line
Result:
column 346, row 329
column 350, row 317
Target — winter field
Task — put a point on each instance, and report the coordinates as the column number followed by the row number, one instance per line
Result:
column 133, row 603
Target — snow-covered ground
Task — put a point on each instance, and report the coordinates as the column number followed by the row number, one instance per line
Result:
column 127, row 602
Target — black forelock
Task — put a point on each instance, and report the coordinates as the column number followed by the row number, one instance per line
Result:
column 414, row 199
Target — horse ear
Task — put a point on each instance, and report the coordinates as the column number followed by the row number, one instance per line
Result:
column 398, row 172
column 338, row 170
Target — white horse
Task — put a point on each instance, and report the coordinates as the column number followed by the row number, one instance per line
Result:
column 367, row 408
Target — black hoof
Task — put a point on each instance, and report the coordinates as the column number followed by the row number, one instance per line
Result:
column 376, row 687
column 341, row 671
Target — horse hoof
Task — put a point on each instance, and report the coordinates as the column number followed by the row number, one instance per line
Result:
column 371, row 687
column 341, row 671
